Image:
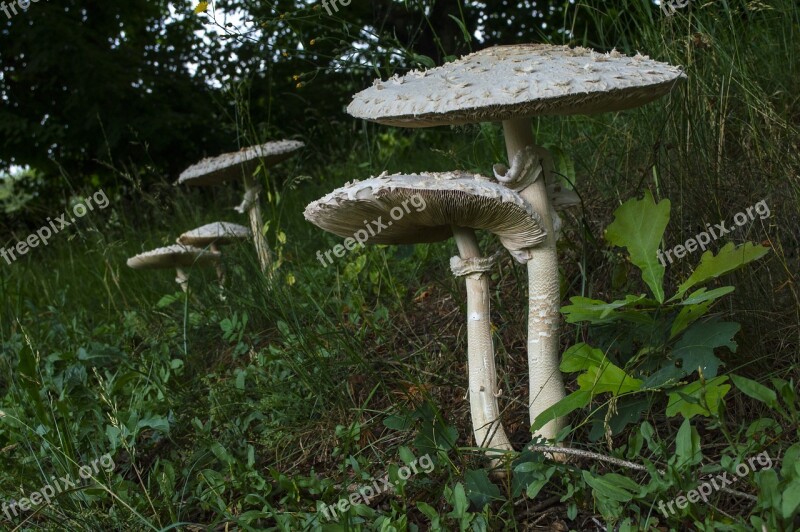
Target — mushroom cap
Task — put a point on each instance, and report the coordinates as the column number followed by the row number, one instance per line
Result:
column 516, row 81
column 215, row 233
column 231, row 166
column 174, row 256
column 421, row 208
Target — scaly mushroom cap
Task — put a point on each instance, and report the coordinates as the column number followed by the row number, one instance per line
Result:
column 412, row 209
column 517, row 81
column 231, row 166
column 216, row 233
column 174, row 256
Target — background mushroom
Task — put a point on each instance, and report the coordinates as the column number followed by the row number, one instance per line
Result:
column 512, row 84
column 242, row 165
column 175, row 256
column 214, row 235
column 443, row 205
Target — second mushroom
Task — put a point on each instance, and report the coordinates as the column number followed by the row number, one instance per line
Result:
column 431, row 208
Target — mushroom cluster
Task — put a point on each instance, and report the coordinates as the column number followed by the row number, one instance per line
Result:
column 508, row 84
column 190, row 249
column 243, row 165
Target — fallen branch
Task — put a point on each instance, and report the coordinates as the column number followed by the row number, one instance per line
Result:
column 549, row 450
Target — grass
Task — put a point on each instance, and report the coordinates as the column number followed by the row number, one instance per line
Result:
column 251, row 412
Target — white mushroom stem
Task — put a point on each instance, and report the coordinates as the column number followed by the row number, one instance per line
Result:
column 483, row 393
column 546, row 382
column 251, row 204
column 182, row 278
column 219, row 267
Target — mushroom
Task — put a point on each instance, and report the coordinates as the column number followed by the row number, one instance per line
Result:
column 242, row 165
column 445, row 204
column 214, row 235
column 512, row 84
column 175, row 256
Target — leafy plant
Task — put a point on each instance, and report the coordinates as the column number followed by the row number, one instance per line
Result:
column 649, row 345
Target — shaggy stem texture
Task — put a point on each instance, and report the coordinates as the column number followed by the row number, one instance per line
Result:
column 546, row 382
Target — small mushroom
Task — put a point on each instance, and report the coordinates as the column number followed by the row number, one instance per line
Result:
column 408, row 209
column 214, row 235
column 175, row 256
column 507, row 92
column 242, row 165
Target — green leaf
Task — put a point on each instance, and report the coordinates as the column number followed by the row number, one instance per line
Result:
column 708, row 398
column 168, row 300
column 639, row 226
column 612, row 486
column 480, row 490
column 459, row 502
column 431, row 513
column 423, row 60
column 791, row 498
column 687, row 445
column 790, row 460
column 729, row 258
column 756, row 390
column 580, row 357
column 406, row 455
column 608, row 378
column 598, row 312
column 701, row 295
column 575, row 400
column 539, row 482
column 769, row 494
column 222, row 454
column 355, row 267
column 687, row 316
column 696, row 346
column 464, row 31
column 157, row 423
column 395, row 422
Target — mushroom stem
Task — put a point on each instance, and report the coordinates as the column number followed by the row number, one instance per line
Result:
column 182, row 279
column 546, row 382
column 257, row 224
column 486, row 424
column 219, row 266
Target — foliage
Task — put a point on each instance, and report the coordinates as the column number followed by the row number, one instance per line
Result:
column 255, row 410
column 649, row 345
